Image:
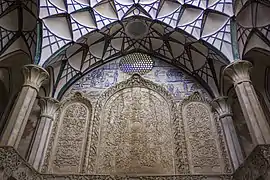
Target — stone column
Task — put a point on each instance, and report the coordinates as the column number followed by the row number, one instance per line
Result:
column 34, row 76
column 48, row 107
column 238, row 73
column 223, row 109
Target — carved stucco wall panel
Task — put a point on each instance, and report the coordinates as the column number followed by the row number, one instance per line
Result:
column 136, row 134
column 137, row 128
column 66, row 149
column 207, row 151
column 131, row 105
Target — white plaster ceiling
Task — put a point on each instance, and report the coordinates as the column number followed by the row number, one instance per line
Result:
column 198, row 35
column 67, row 21
column 253, row 25
column 18, row 27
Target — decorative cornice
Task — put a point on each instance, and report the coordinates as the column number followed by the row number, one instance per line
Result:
column 48, row 107
column 238, row 72
column 34, row 76
column 222, row 106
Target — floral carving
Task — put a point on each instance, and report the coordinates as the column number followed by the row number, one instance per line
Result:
column 136, row 81
column 207, row 152
column 13, row 165
column 66, row 149
column 202, row 142
column 136, row 134
column 69, row 147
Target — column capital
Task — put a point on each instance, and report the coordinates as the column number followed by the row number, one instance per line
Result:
column 222, row 106
column 238, row 71
column 48, row 107
column 34, row 76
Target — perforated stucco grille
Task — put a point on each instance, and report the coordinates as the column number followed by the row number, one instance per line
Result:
column 136, row 63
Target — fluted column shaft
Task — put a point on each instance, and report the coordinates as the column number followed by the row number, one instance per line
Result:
column 34, row 76
column 223, row 108
column 48, row 108
column 238, row 73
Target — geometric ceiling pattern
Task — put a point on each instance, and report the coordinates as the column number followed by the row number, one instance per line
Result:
column 253, row 25
column 18, row 21
column 160, row 40
column 66, row 21
column 74, row 36
column 80, row 34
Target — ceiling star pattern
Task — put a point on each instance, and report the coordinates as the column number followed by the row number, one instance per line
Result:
column 18, row 20
column 81, row 34
column 66, row 21
column 253, row 25
column 161, row 41
column 78, row 35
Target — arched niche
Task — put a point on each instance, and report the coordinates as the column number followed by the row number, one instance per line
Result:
column 135, row 130
column 67, row 145
column 207, row 151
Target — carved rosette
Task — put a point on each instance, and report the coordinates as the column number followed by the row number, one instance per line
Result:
column 34, row 76
column 238, row 71
column 222, row 106
column 48, row 107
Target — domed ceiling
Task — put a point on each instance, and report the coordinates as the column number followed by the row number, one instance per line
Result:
column 193, row 34
column 74, row 36
column 68, row 21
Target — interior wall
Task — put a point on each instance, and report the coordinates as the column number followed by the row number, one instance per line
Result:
column 158, row 123
column 178, row 83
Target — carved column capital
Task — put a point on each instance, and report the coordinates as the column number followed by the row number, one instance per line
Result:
column 238, row 71
column 48, row 107
column 222, row 106
column 34, row 76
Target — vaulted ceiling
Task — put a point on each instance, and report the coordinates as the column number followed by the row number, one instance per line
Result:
column 74, row 36
column 68, row 21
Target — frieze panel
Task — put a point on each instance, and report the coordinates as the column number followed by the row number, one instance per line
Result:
column 70, row 142
column 12, row 165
